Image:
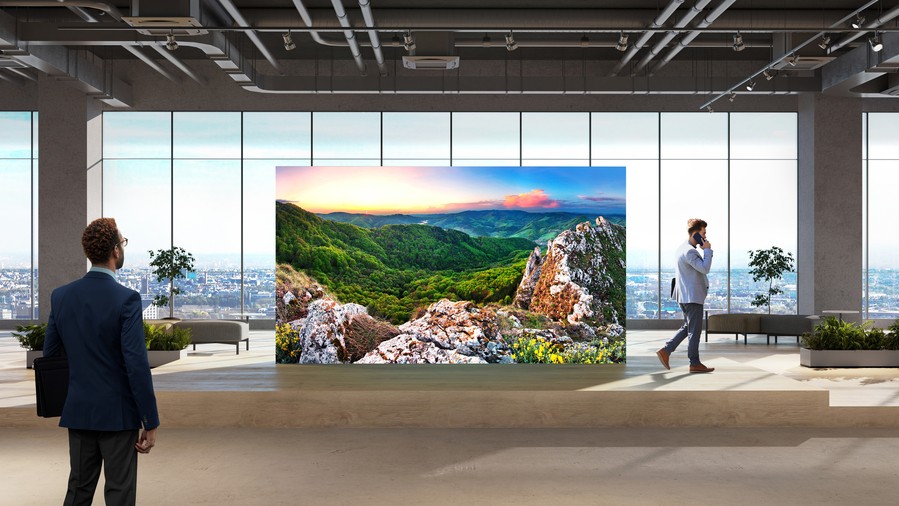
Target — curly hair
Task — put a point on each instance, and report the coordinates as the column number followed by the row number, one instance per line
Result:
column 99, row 239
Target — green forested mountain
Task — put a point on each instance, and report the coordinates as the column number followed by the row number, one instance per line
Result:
column 395, row 269
column 538, row 227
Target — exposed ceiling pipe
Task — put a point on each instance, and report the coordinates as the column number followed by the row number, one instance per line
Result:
column 307, row 20
column 150, row 63
column 551, row 43
column 349, row 34
column 883, row 18
column 165, row 53
column 22, row 73
column 108, row 8
column 7, row 78
column 687, row 39
column 365, row 6
column 83, row 14
column 638, row 45
column 235, row 13
column 663, row 43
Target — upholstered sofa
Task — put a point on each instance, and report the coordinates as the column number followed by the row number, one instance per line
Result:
column 764, row 324
column 212, row 331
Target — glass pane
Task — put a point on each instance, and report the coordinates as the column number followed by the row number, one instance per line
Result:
column 882, row 136
column 864, row 136
column 34, row 135
column 206, row 212
column 761, row 224
column 416, row 135
column 259, row 236
column 694, row 135
column 555, row 135
column 694, row 189
column 15, row 142
column 883, row 242
column 346, row 135
column 206, row 134
column 625, row 136
column 15, row 249
column 34, row 225
column 642, row 237
column 763, row 136
column 400, row 162
column 486, row 135
column 277, row 135
column 137, row 193
column 509, row 162
column 559, row 162
column 327, row 162
column 137, row 135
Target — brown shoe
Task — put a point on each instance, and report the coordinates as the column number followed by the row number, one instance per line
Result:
column 701, row 368
column 663, row 357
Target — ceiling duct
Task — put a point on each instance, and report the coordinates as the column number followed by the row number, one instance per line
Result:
column 433, row 51
column 148, row 15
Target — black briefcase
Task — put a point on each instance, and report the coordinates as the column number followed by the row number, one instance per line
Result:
column 51, row 383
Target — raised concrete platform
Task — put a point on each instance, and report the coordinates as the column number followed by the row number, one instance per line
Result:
column 218, row 389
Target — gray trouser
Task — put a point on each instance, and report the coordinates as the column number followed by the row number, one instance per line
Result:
column 88, row 450
column 692, row 327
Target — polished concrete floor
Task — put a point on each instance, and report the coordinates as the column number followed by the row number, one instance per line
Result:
column 247, row 465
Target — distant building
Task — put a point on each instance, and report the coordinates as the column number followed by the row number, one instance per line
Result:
column 151, row 311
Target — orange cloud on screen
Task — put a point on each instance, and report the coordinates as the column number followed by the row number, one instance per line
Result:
column 534, row 198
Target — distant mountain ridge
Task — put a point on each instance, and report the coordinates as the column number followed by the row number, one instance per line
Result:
column 537, row 227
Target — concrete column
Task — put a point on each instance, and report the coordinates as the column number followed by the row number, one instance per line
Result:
column 830, row 204
column 70, row 146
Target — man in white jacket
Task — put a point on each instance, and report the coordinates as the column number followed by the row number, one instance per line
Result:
column 691, row 289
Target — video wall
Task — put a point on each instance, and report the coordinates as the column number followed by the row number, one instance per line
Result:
column 450, row 265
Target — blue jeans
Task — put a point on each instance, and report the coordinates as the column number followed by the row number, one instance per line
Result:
column 693, row 328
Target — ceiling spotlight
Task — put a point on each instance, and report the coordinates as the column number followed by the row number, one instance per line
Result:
column 585, row 42
column 750, row 85
column 170, row 43
column 622, row 42
column 876, row 43
column 769, row 75
column 709, row 108
column 288, row 42
column 395, row 41
column 408, row 42
column 825, row 42
column 511, row 45
column 792, row 60
column 859, row 21
column 486, row 42
column 738, row 43
column 732, row 97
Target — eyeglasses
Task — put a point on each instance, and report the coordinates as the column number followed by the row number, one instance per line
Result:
column 123, row 243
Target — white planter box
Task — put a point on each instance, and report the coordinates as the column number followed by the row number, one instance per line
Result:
column 30, row 355
column 848, row 358
column 158, row 358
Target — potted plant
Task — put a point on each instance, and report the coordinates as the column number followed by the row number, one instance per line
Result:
column 170, row 264
column 31, row 337
column 165, row 342
column 769, row 265
column 837, row 343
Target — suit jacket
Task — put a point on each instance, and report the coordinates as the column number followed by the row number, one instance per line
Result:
column 692, row 274
column 99, row 325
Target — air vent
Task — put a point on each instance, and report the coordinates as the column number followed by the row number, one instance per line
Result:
column 431, row 62
column 154, row 26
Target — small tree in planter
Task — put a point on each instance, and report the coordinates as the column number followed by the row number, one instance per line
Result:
column 769, row 265
column 170, row 264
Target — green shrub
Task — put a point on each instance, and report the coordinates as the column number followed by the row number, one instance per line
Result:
column 166, row 337
column 31, row 337
column 835, row 334
column 532, row 349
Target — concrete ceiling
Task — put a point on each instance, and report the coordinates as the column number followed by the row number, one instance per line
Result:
column 563, row 46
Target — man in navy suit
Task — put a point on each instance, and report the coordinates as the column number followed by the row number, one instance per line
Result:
column 98, row 324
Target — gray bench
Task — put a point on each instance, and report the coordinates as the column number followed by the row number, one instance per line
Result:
column 750, row 323
column 213, row 331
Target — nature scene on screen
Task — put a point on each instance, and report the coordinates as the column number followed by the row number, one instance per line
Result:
column 450, row 265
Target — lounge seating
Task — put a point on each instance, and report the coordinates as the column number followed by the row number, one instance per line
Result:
column 769, row 325
column 213, row 331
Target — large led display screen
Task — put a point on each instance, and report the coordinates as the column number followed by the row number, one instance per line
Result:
column 450, row 265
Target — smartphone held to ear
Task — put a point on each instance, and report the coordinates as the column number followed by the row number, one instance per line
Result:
column 698, row 239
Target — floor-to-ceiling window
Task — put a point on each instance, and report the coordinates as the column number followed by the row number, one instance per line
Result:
column 205, row 182
column 18, row 206
column 881, row 243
